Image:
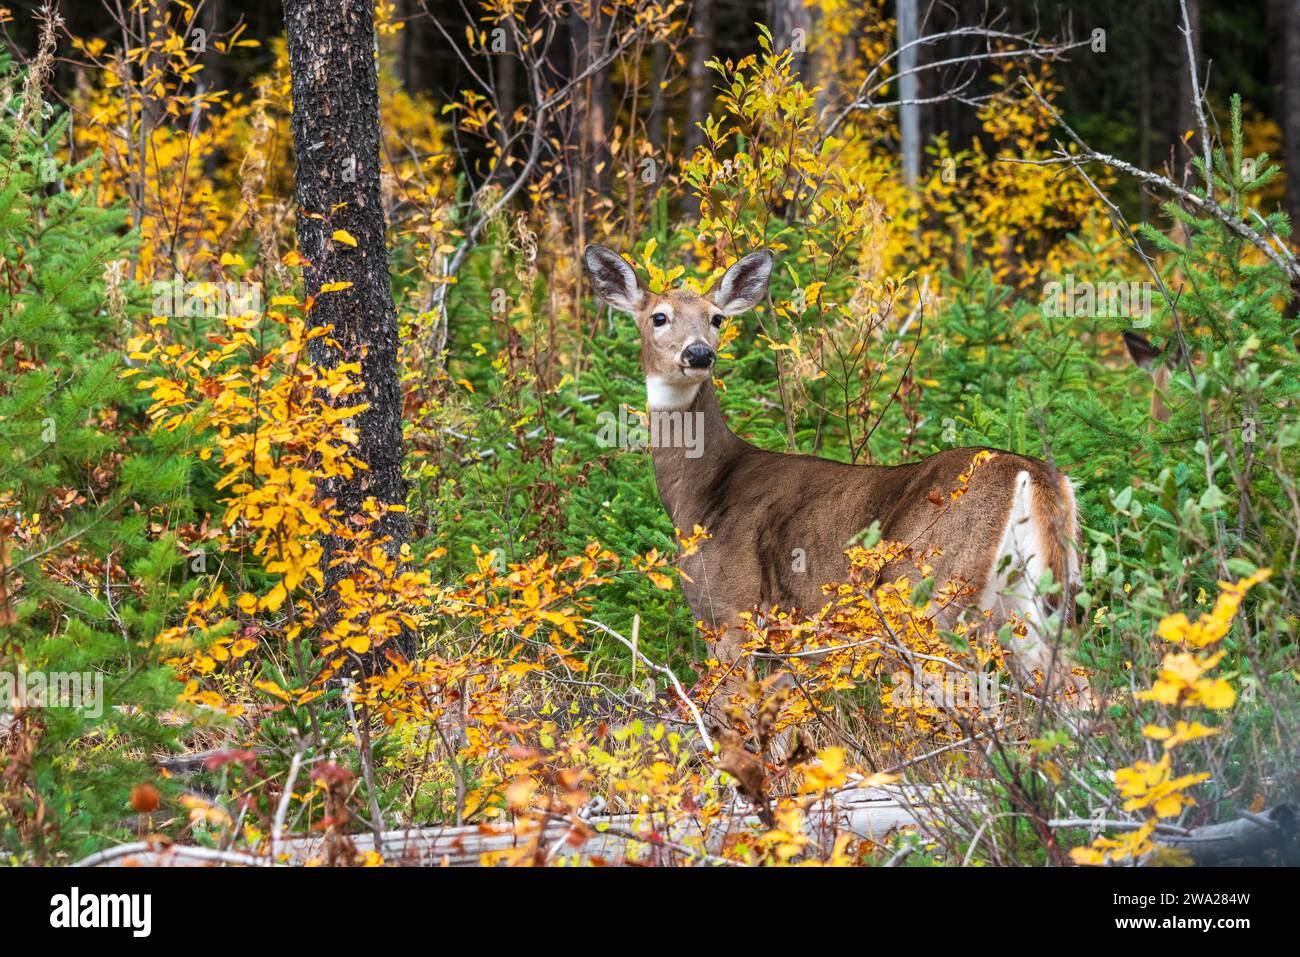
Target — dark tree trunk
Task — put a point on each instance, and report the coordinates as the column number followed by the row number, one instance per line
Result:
column 596, row 100
column 959, row 121
column 699, row 89
column 505, row 75
column 699, row 94
column 1284, row 27
column 153, row 70
column 415, row 42
column 655, row 123
column 1145, row 158
column 214, row 18
column 554, row 71
column 336, row 137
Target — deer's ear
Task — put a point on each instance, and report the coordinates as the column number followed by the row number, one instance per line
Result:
column 1140, row 350
column 744, row 285
column 616, row 282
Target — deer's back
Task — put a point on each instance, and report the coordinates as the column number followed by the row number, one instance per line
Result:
column 780, row 523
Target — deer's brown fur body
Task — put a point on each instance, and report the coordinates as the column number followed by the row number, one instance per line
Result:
column 1016, row 518
column 760, row 506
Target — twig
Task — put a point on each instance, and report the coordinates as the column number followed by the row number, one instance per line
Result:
column 1197, row 100
column 363, row 748
column 1284, row 259
column 177, row 850
column 282, row 811
column 863, row 99
column 663, row 670
column 947, row 747
column 901, row 855
column 1096, row 822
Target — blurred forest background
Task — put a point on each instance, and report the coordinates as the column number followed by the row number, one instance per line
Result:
column 971, row 203
column 1132, row 103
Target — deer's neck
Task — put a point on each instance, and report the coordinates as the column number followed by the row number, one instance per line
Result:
column 691, row 446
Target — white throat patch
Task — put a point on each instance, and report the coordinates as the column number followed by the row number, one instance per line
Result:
column 664, row 394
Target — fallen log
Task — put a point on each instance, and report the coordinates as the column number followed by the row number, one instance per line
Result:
column 1246, row 840
column 1250, row 838
column 870, row 813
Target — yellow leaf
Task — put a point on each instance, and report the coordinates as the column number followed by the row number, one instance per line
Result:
column 1215, row 693
column 275, row 597
column 271, row 688
column 661, row 580
column 242, row 647
column 1087, row 856
column 343, row 236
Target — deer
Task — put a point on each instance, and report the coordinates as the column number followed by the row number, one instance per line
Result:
column 1161, row 363
column 1018, row 517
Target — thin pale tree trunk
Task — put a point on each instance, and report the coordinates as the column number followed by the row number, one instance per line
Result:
column 909, row 114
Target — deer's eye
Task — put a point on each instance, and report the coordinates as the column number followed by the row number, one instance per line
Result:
column 717, row 320
column 658, row 319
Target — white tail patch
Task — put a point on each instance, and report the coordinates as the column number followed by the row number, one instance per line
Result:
column 1018, row 565
column 1072, row 535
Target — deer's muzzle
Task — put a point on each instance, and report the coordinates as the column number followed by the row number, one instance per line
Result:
column 697, row 355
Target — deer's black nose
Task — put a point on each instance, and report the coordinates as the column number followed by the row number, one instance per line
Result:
column 698, row 355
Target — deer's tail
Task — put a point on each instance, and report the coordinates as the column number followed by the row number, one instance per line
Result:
column 1055, row 513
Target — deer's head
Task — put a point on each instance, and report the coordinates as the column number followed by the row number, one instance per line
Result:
column 1160, row 363
column 679, row 328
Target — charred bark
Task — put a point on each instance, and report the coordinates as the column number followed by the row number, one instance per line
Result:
column 336, row 136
